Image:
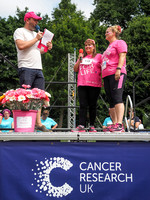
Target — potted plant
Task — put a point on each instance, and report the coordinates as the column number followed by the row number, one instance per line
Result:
column 24, row 103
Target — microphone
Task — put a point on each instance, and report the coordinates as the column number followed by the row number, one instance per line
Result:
column 81, row 51
column 37, row 28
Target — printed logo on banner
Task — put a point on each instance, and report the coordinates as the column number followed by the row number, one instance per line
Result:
column 90, row 174
column 42, row 177
column 101, row 172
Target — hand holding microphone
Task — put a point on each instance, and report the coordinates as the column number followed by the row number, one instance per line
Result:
column 39, row 34
column 37, row 28
column 80, row 54
column 76, row 66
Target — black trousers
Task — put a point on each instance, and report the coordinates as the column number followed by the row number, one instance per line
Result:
column 114, row 89
column 88, row 99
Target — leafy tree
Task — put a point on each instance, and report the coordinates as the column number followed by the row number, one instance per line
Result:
column 9, row 73
column 133, row 17
column 145, row 7
column 7, row 49
column 137, row 38
column 115, row 12
column 70, row 30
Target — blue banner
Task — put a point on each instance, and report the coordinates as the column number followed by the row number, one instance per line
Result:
column 74, row 171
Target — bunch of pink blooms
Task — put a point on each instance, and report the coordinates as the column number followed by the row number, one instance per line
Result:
column 25, row 98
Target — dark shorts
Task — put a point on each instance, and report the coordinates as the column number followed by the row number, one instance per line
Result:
column 32, row 77
column 114, row 89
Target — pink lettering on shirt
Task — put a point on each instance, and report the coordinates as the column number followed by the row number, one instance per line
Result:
column 89, row 73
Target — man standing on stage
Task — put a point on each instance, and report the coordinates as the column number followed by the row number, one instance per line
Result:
column 29, row 57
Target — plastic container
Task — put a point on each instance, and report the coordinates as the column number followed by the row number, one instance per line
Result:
column 24, row 121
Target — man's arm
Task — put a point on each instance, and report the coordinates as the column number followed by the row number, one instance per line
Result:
column 26, row 44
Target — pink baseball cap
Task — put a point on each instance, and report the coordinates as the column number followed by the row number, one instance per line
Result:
column 31, row 15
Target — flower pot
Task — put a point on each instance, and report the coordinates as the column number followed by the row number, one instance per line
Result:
column 24, row 121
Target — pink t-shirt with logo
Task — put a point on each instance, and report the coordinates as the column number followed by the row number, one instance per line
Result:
column 89, row 73
column 110, row 58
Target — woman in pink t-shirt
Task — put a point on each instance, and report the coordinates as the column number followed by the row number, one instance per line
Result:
column 88, row 67
column 114, row 75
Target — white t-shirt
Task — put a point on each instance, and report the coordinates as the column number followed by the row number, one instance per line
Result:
column 30, row 57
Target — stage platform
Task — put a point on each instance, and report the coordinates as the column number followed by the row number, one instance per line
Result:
column 75, row 136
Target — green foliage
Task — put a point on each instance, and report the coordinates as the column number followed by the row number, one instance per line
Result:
column 146, row 120
column 9, row 74
column 115, row 12
column 137, row 38
column 71, row 30
column 145, row 6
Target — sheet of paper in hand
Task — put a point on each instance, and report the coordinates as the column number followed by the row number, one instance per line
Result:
column 47, row 37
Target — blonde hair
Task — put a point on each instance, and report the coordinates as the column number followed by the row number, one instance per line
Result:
column 117, row 30
column 92, row 42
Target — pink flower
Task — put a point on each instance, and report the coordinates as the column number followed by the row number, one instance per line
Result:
column 25, row 98
column 37, row 93
column 26, row 86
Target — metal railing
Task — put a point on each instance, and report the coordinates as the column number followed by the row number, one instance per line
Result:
column 8, row 61
column 128, row 100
